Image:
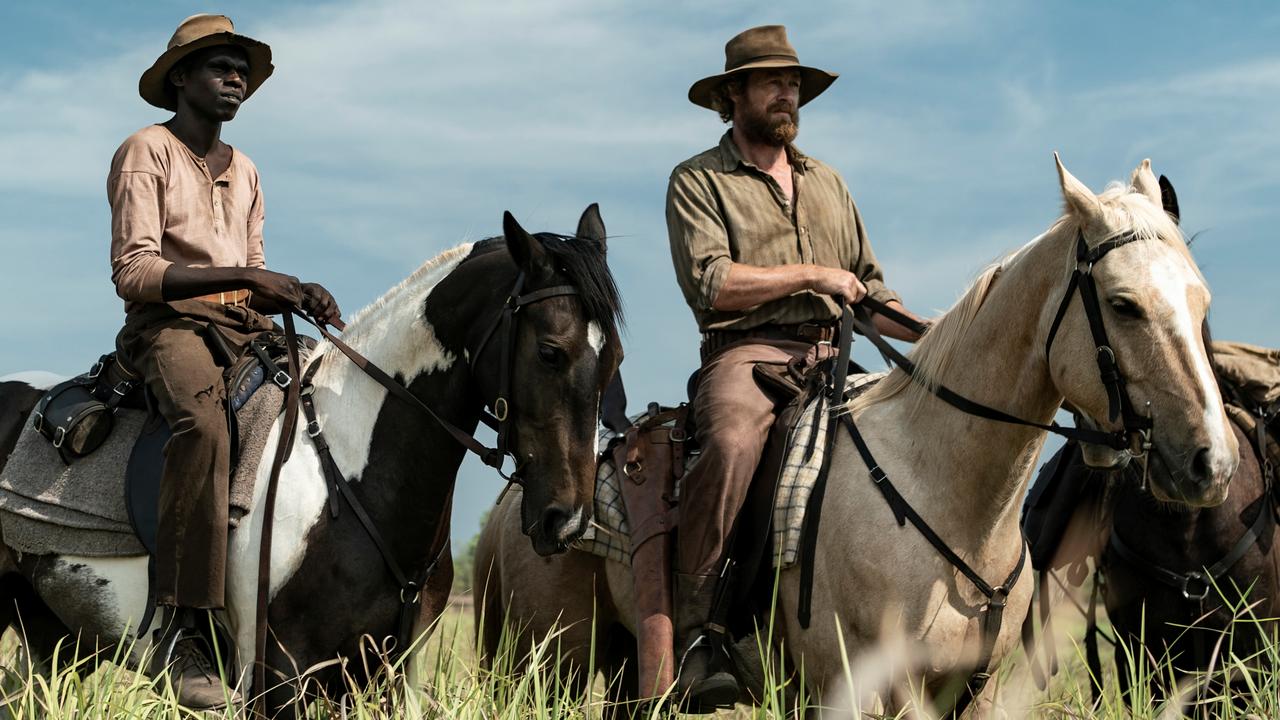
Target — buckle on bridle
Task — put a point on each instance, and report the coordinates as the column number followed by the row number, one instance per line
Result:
column 1202, row 589
column 500, row 409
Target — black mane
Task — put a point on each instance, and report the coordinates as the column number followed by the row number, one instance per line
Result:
column 583, row 261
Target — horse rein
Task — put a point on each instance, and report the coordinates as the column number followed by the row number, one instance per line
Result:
column 300, row 393
column 1135, row 437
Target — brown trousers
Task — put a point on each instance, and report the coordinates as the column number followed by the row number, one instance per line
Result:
column 733, row 418
column 165, row 344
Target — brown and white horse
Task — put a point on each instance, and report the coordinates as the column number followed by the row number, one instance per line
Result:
column 329, row 584
column 877, row 583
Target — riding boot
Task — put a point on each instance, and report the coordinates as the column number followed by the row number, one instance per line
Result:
column 184, row 654
column 703, row 685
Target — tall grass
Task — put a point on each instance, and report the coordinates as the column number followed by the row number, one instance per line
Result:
column 521, row 683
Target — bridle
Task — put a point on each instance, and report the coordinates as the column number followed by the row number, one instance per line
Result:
column 301, row 394
column 501, row 418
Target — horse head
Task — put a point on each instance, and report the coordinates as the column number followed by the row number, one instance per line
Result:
column 560, row 352
column 1152, row 304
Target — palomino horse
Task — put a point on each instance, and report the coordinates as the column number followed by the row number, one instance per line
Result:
column 329, row 584
column 876, row 581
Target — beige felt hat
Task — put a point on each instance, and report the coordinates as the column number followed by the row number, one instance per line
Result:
column 762, row 47
column 196, row 33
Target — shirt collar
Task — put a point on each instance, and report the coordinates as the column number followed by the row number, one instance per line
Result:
column 732, row 157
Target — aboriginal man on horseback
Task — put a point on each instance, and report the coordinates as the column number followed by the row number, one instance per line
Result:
column 764, row 240
column 187, row 258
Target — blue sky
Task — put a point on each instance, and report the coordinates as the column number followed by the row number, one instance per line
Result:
column 393, row 130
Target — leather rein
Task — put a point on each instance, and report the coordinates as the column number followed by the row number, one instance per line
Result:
column 1135, row 438
column 301, row 394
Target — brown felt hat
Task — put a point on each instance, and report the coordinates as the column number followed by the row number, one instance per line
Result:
column 197, row 33
column 762, row 47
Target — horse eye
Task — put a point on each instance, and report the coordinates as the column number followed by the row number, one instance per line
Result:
column 1124, row 307
column 549, row 354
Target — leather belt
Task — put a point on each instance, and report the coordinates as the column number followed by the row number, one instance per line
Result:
column 714, row 341
column 234, row 298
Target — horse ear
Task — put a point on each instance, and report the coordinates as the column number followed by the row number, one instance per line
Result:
column 1144, row 181
column 525, row 249
column 1169, row 199
column 591, row 226
column 1081, row 201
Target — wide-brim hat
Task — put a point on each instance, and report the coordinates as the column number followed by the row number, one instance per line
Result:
column 761, row 47
column 196, row 33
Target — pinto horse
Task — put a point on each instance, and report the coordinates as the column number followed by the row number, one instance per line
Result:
column 329, row 585
column 877, row 581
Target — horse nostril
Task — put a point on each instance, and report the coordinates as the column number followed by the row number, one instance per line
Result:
column 559, row 524
column 1202, row 467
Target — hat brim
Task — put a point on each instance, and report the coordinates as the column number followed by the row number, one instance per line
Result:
column 813, row 81
column 151, row 86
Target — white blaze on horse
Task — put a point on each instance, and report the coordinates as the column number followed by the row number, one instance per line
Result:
column 965, row 476
column 542, row 369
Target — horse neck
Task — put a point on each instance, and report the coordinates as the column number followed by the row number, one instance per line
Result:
column 380, row 440
column 998, row 362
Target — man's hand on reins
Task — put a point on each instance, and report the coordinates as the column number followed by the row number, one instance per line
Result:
column 837, row 282
column 319, row 304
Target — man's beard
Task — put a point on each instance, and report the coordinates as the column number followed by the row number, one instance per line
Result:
column 766, row 130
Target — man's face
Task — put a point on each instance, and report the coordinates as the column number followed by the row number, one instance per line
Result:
column 768, row 109
column 213, row 81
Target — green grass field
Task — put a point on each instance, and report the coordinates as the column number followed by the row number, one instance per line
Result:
column 454, row 686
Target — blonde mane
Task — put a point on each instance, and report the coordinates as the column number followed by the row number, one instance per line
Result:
column 1125, row 210
column 426, row 271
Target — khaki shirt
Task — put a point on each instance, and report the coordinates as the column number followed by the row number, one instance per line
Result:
column 166, row 209
column 722, row 210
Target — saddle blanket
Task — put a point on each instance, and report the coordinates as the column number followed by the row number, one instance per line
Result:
column 609, row 535
column 48, row 507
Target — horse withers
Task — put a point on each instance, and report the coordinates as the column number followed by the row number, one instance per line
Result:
column 878, row 584
column 331, row 591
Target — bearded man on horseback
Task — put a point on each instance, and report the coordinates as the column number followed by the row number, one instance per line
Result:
column 766, row 243
column 187, row 258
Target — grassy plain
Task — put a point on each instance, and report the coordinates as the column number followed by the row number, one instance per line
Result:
column 454, row 686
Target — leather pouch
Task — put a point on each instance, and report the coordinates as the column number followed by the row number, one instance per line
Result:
column 77, row 415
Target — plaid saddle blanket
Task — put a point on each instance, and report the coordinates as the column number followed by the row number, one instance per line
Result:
column 609, row 535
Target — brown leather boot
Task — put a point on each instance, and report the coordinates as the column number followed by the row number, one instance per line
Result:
column 702, row 685
column 190, row 665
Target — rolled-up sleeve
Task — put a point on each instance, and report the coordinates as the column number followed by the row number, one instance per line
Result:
column 137, row 225
column 865, row 265
column 699, row 241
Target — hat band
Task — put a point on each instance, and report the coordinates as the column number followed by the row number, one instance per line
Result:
column 758, row 58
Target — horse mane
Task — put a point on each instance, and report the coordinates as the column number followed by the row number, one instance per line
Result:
column 584, row 262
column 427, row 268
column 1123, row 208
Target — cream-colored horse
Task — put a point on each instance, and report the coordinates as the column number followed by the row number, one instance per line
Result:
column 876, row 581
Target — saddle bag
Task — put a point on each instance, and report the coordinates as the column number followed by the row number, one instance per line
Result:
column 76, row 415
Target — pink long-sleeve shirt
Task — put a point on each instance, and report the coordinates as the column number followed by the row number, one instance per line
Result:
column 167, row 209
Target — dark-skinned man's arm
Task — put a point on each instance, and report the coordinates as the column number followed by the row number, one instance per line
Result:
column 272, row 291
